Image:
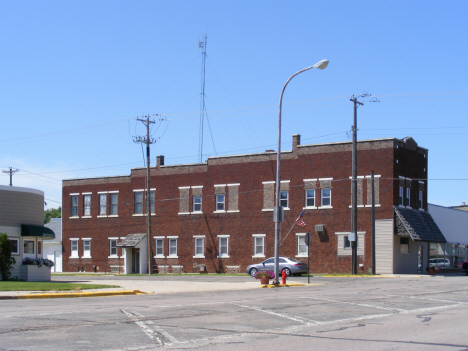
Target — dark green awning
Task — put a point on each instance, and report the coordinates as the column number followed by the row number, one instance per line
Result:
column 36, row 230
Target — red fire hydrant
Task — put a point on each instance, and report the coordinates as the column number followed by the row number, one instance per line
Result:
column 284, row 276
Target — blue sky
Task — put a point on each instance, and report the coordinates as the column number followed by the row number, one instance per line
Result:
column 75, row 75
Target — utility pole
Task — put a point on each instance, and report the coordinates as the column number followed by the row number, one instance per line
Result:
column 147, row 140
column 11, row 172
column 202, row 45
column 373, row 223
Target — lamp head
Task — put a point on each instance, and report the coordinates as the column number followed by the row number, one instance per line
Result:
column 321, row 65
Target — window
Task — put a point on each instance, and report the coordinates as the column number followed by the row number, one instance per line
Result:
column 102, row 204
column 326, row 197
column 113, row 204
column 138, row 202
column 74, row 205
column 74, row 248
column 259, row 245
column 347, row 243
column 39, row 247
column 197, row 203
column 172, row 247
column 284, row 199
column 220, row 198
column 301, row 245
column 404, row 245
column 160, row 247
column 310, row 198
column 86, row 205
column 152, row 201
column 14, row 246
column 420, row 199
column 199, row 247
column 28, row 247
column 86, row 248
column 113, row 247
column 223, row 245
column 408, row 192
column 400, row 196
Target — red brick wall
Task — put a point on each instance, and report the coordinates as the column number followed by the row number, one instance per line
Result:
column 305, row 162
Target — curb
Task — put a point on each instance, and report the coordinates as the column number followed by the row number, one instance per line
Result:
column 75, row 294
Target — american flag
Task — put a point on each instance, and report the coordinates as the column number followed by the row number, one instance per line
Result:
column 300, row 221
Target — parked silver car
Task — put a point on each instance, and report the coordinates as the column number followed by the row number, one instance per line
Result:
column 290, row 265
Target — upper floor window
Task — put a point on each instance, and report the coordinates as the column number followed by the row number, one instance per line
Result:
column 310, row 198
column 152, row 201
column 420, row 199
column 74, row 205
column 138, row 202
column 400, row 196
column 87, row 205
column 220, row 200
column 326, row 197
column 113, row 204
column 197, row 203
column 102, row 204
column 284, row 199
column 408, row 193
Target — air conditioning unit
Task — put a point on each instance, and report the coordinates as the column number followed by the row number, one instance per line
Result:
column 320, row 228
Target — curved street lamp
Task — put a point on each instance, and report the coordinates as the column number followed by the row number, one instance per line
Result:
column 277, row 217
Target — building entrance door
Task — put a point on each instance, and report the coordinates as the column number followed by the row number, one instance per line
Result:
column 420, row 259
column 136, row 261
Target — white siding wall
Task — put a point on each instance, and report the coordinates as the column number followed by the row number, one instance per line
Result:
column 384, row 246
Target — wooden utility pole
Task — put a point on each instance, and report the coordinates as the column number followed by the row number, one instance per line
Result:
column 148, row 141
column 11, row 172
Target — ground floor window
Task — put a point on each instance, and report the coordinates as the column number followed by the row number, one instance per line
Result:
column 113, row 247
column 172, row 247
column 447, row 255
column 259, row 245
column 28, row 247
column 86, row 248
column 223, row 245
column 74, row 248
column 301, row 245
column 199, row 247
column 160, row 247
column 14, row 246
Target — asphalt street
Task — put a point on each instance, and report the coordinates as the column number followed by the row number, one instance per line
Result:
column 397, row 313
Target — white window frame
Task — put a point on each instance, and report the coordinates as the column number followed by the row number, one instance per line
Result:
column 111, row 247
column 401, row 200
column 325, row 197
column 135, row 203
column 74, row 207
column 102, row 205
column 172, row 240
column 198, row 239
column 86, row 206
column 342, row 251
column 408, row 197
column 159, row 239
column 33, row 254
column 74, row 253
column 17, row 252
column 86, row 253
column 222, row 238
column 220, row 205
column 112, row 206
column 259, row 239
column 300, row 240
column 196, row 203
column 309, row 197
column 284, row 200
column 152, row 199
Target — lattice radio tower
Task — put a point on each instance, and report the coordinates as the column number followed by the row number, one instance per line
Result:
column 202, row 46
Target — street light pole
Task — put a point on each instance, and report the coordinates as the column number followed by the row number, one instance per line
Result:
column 277, row 213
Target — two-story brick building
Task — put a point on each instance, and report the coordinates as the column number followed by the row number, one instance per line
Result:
column 218, row 215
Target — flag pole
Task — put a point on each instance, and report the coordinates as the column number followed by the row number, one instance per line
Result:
column 287, row 234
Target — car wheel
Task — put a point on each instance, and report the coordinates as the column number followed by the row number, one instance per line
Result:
column 253, row 271
column 287, row 270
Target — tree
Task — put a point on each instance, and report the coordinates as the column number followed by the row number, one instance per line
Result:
column 52, row 213
column 6, row 261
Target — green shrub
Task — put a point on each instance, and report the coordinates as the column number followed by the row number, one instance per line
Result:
column 6, row 261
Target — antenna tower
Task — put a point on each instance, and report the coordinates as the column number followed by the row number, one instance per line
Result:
column 202, row 46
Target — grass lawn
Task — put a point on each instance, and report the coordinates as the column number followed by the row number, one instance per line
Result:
column 48, row 286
